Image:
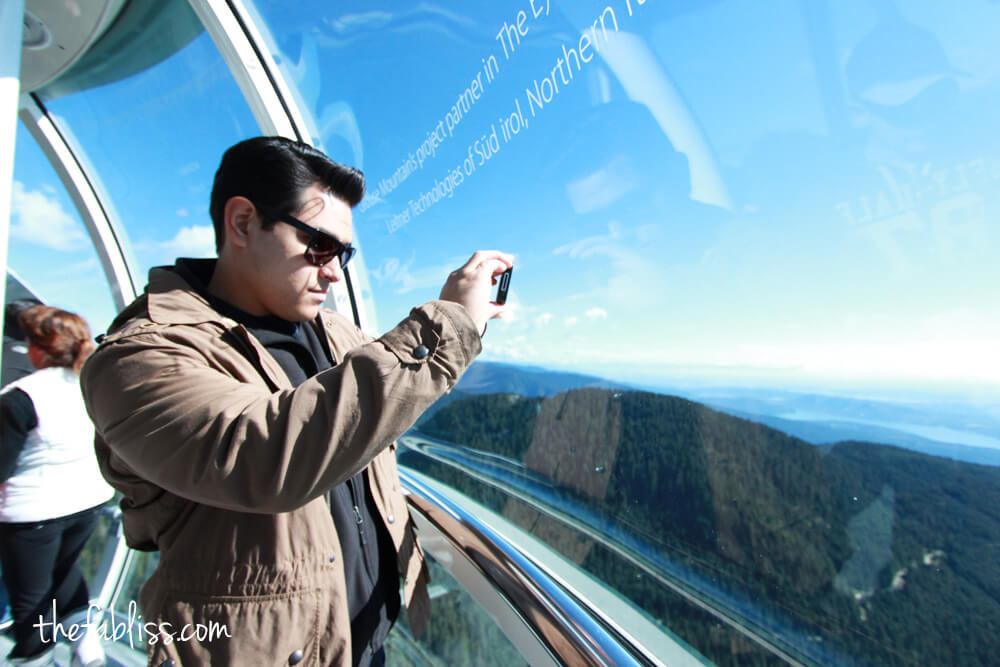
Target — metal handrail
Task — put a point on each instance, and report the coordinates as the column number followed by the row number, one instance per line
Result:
column 576, row 519
column 560, row 621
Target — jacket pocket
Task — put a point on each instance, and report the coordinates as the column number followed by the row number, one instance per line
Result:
column 279, row 629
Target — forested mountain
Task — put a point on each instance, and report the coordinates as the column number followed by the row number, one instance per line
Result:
column 831, row 418
column 871, row 553
column 488, row 377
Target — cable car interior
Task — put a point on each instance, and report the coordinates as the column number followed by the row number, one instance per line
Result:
column 745, row 406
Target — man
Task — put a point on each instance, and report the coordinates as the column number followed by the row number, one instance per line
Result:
column 251, row 431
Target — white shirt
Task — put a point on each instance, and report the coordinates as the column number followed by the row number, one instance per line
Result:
column 56, row 473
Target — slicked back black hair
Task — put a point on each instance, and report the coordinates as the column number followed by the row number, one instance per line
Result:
column 273, row 172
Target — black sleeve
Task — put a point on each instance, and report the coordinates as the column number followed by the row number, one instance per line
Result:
column 17, row 418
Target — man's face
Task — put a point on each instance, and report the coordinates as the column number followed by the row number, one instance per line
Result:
column 285, row 284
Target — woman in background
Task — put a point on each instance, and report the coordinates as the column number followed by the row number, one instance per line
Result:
column 51, row 488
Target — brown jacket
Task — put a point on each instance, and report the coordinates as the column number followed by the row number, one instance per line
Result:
column 223, row 467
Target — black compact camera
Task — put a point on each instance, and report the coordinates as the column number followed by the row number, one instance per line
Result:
column 503, row 284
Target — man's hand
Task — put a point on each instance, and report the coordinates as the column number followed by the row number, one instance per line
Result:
column 470, row 285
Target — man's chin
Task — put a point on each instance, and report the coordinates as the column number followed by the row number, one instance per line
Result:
column 302, row 309
column 303, row 314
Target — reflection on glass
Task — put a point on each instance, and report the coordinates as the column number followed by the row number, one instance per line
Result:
column 460, row 632
column 154, row 139
column 50, row 252
column 125, row 607
column 51, row 258
column 781, row 215
column 832, row 550
column 98, row 549
column 695, row 193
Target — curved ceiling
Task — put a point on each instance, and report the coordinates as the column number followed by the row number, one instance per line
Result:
column 73, row 46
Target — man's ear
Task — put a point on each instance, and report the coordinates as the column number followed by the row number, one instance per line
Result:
column 238, row 214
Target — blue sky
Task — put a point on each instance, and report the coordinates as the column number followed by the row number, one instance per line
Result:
column 719, row 191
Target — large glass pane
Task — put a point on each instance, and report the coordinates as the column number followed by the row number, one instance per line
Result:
column 52, row 259
column 50, row 252
column 124, row 620
column 149, row 127
column 460, row 632
column 153, row 141
column 761, row 234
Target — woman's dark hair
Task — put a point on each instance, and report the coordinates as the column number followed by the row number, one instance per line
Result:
column 63, row 336
column 272, row 172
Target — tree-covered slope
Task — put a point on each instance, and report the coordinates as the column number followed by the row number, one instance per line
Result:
column 889, row 556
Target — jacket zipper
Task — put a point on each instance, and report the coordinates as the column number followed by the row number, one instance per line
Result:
column 360, row 521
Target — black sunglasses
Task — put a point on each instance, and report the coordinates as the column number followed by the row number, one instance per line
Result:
column 322, row 247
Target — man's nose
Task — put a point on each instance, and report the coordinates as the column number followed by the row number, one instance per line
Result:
column 332, row 271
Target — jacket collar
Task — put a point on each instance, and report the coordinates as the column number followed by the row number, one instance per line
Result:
column 177, row 294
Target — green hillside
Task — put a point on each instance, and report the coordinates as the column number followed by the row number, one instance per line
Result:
column 867, row 551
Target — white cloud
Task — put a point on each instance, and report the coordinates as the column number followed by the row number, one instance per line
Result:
column 77, row 269
column 351, row 27
column 193, row 241
column 37, row 217
column 961, row 324
column 502, row 348
column 629, row 274
column 543, row 319
column 602, row 187
column 183, row 213
column 597, row 314
column 352, row 23
column 515, row 311
column 571, row 321
column 393, row 271
column 388, row 269
column 913, row 360
column 592, row 245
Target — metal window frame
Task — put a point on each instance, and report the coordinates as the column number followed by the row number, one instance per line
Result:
column 243, row 47
column 83, row 186
column 544, row 621
column 737, row 621
column 11, row 21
